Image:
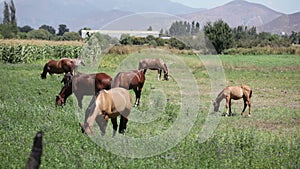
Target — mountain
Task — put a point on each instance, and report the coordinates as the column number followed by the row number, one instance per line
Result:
column 77, row 14
column 235, row 13
column 284, row 23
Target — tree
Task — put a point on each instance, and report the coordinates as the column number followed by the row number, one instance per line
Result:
column 48, row 28
column 6, row 14
column 39, row 34
column 220, row 35
column 13, row 18
column 71, row 36
column 150, row 28
column 62, row 29
column 126, row 39
column 25, row 29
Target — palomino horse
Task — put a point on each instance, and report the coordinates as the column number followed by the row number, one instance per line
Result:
column 34, row 159
column 236, row 93
column 154, row 64
column 109, row 104
column 61, row 66
column 83, row 84
column 134, row 79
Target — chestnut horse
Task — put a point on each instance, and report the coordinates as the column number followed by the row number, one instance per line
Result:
column 236, row 93
column 154, row 64
column 64, row 65
column 134, row 79
column 83, row 84
column 109, row 104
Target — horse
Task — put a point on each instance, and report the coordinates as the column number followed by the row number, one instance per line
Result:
column 77, row 63
column 34, row 159
column 109, row 104
column 236, row 93
column 83, row 84
column 134, row 79
column 64, row 65
column 154, row 64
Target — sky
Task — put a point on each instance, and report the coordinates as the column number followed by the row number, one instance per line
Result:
column 283, row 6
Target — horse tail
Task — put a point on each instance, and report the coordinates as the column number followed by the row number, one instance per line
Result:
column 43, row 75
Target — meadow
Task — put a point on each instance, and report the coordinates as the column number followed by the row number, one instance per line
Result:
column 268, row 139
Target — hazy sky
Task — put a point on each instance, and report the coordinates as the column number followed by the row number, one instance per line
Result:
column 284, row 6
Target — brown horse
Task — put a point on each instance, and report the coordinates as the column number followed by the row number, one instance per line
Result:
column 134, row 79
column 34, row 159
column 236, row 93
column 61, row 66
column 83, row 84
column 154, row 64
column 109, row 104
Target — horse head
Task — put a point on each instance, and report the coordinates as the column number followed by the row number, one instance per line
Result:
column 67, row 78
column 82, row 62
column 216, row 106
column 60, row 101
column 166, row 76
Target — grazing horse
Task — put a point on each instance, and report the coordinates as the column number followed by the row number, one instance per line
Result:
column 61, row 66
column 34, row 159
column 109, row 104
column 77, row 63
column 134, row 79
column 83, row 84
column 154, row 64
column 236, row 93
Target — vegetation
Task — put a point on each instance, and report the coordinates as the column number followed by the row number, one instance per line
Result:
column 269, row 139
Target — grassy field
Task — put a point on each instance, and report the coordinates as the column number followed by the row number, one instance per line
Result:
column 269, row 139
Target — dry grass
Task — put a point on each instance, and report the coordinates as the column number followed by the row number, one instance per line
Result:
column 40, row 42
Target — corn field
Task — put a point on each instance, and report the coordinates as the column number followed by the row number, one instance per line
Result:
column 28, row 53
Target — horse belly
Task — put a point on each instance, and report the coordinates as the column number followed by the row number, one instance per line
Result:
column 236, row 94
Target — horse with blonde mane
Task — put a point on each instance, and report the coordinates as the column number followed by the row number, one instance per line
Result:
column 235, row 93
column 109, row 104
column 154, row 64
column 63, row 65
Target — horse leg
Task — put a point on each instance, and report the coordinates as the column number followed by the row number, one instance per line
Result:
column 79, row 100
column 245, row 105
column 115, row 125
column 230, row 112
column 102, row 123
column 159, row 74
column 123, row 122
column 249, row 104
column 227, row 106
column 145, row 70
column 137, row 96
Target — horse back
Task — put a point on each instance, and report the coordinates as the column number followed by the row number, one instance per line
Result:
column 103, row 81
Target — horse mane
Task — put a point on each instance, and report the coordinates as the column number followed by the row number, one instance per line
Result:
column 219, row 97
column 165, row 68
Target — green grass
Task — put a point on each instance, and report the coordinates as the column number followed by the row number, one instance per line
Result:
column 269, row 139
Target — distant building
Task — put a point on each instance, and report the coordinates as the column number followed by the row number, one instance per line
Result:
column 118, row 33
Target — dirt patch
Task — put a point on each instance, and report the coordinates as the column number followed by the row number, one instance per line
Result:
column 276, row 125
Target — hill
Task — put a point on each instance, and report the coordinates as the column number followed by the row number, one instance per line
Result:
column 77, row 14
column 237, row 12
column 284, row 23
